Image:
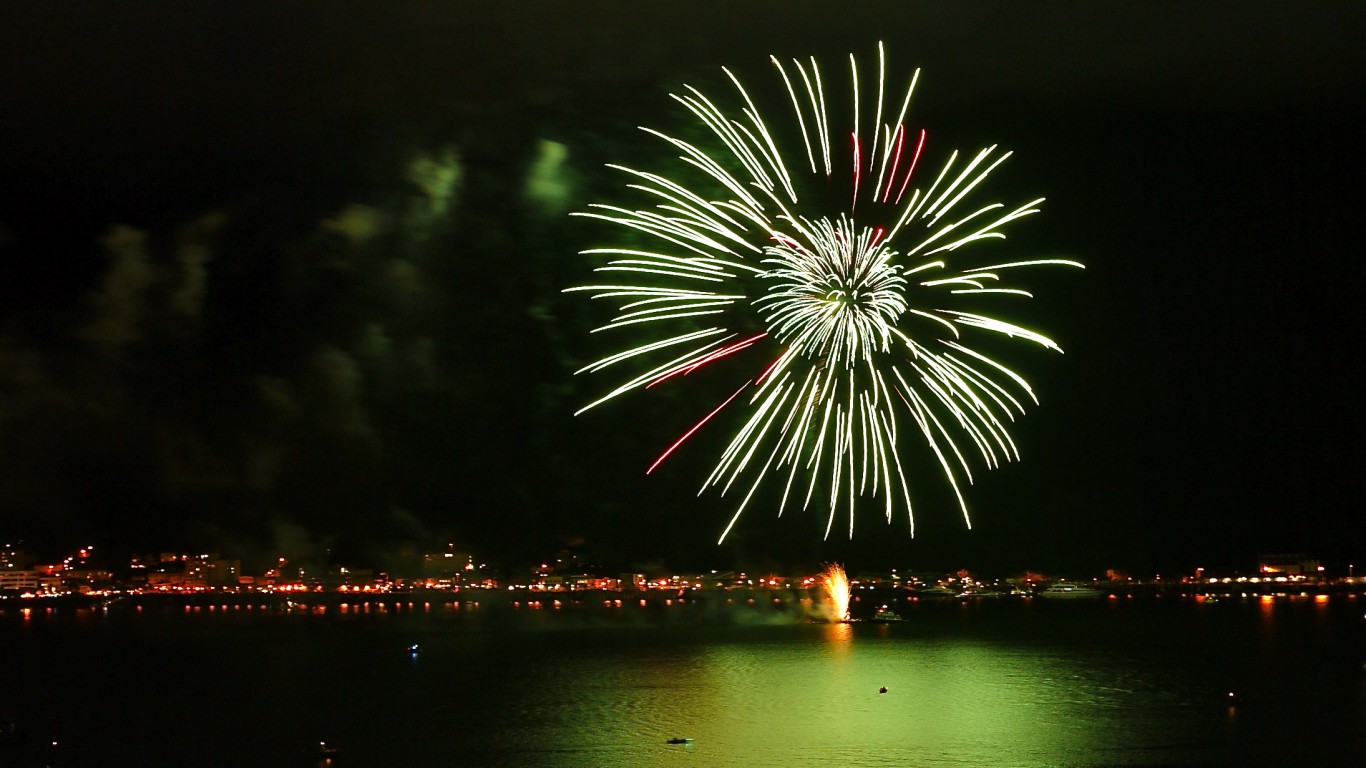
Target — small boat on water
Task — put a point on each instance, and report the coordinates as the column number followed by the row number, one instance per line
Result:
column 1067, row 589
column 679, row 740
column 937, row 591
column 885, row 613
column 981, row 593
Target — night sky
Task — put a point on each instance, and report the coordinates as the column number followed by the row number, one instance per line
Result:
column 287, row 277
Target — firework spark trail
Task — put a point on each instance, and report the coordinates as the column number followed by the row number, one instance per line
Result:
column 868, row 307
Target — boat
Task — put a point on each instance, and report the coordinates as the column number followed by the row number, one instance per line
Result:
column 679, row 740
column 1067, row 589
column 981, row 593
column 885, row 613
column 937, row 591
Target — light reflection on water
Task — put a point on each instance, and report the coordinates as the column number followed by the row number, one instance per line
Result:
column 1010, row 684
column 1091, row 686
column 780, row 702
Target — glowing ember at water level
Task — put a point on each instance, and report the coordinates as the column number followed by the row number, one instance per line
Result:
column 837, row 592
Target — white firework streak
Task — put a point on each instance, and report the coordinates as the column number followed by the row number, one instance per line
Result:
column 835, row 291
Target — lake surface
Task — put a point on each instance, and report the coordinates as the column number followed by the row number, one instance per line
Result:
column 994, row 683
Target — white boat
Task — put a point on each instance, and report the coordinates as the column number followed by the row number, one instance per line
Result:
column 885, row 613
column 1068, row 589
column 937, row 591
column 979, row 593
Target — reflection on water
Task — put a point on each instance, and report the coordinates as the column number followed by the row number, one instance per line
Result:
column 947, row 702
column 1024, row 686
column 1004, row 684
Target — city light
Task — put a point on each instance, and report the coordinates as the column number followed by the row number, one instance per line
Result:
column 213, row 583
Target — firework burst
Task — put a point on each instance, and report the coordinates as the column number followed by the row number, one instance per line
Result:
column 864, row 305
column 836, row 586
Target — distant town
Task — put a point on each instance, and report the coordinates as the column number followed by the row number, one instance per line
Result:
column 84, row 572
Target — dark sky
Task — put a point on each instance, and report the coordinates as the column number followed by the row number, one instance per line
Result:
column 242, row 308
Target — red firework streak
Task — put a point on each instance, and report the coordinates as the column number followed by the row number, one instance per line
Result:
column 696, row 427
column 884, row 194
column 717, row 355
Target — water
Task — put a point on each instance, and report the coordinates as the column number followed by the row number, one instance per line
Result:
column 996, row 683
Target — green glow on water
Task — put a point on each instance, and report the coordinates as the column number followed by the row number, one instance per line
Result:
column 990, row 685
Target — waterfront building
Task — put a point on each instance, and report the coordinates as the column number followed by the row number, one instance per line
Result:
column 1288, row 565
column 446, row 565
column 19, row 580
